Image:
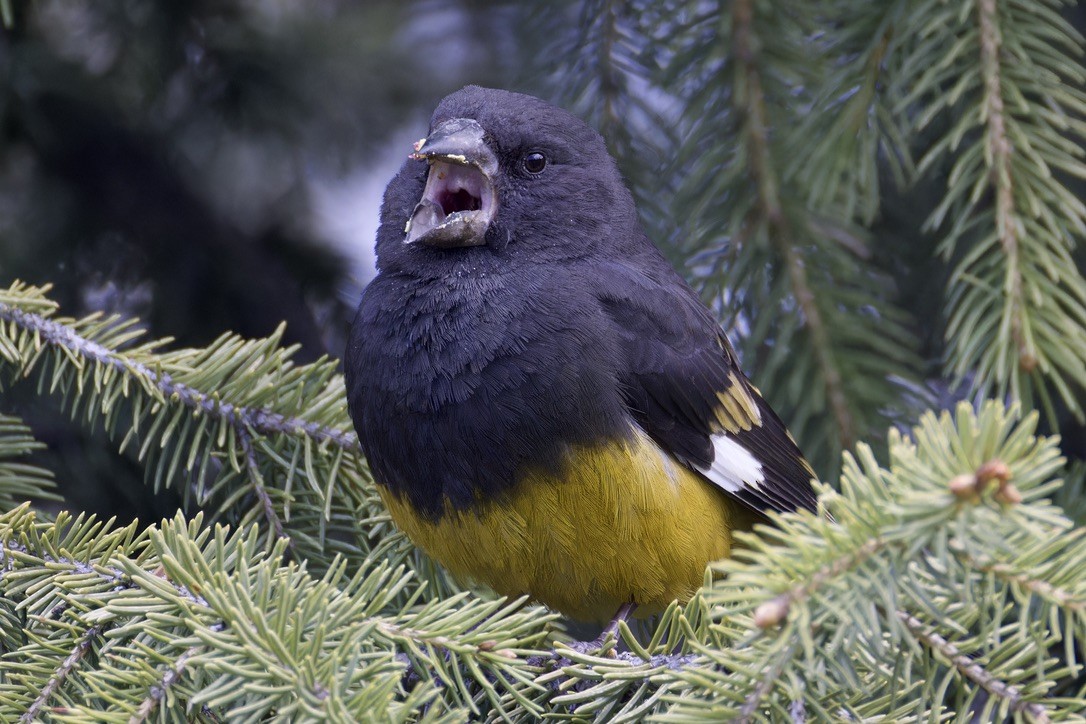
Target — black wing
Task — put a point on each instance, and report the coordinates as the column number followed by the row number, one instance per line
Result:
column 683, row 386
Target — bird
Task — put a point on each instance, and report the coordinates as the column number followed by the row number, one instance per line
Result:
column 545, row 405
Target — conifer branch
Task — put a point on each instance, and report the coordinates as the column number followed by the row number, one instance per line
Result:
column 213, row 417
column 115, row 577
column 20, row 480
column 259, row 420
column 157, row 692
column 756, row 131
column 1008, row 122
column 999, row 150
column 66, row 667
column 765, row 683
column 773, row 611
column 609, row 75
column 1006, row 572
column 425, row 638
column 558, row 657
column 257, row 482
column 265, row 625
column 972, row 670
column 610, row 55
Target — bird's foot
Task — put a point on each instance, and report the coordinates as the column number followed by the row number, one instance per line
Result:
column 601, row 643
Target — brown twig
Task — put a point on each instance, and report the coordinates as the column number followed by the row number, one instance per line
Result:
column 157, row 692
column 256, row 479
column 757, row 134
column 1000, row 151
column 257, row 419
column 973, row 671
column 765, row 684
column 773, row 611
column 1009, row 574
column 61, row 674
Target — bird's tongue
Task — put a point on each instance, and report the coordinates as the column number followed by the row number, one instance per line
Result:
column 427, row 215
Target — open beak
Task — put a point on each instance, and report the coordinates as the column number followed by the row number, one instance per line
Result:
column 458, row 202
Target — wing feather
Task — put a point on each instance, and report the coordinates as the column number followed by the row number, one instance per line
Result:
column 682, row 385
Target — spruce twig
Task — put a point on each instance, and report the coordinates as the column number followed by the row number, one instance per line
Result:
column 765, row 683
column 157, row 692
column 239, row 417
column 1006, row 572
column 1000, row 150
column 756, row 132
column 257, row 481
column 65, row 669
column 776, row 609
column 972, row 670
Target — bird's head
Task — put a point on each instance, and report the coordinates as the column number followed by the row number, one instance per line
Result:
column 502, row 172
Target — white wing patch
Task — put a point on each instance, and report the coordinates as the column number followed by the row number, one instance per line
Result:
column 734, row 468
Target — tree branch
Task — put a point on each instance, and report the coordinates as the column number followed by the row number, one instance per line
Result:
column 114, row 576
column 609, row 74
column 999, row 151
column 257, row 419
column 261, row 491
column 773, row 611
column 63, row 671
column 156, row 694
column 972, row 670
column 765, row 684
column 1005, row 572
column 756, row 130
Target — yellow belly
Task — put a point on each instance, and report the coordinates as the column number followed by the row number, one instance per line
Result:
column 624, row 522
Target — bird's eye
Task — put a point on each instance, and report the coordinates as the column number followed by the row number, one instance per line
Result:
column 535, row 162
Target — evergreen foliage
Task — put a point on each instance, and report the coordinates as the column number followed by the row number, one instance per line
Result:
column 771, row 146
column 764, row 138
column 19, row 480
column 945, row 582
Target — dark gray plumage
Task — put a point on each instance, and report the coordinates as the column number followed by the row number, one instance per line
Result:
column 561, row 325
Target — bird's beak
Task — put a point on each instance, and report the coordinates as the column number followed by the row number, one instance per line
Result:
column 459, row 201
